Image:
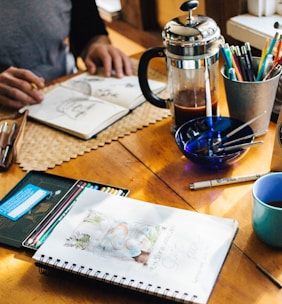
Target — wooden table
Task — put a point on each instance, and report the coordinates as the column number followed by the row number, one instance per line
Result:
column 150, row 164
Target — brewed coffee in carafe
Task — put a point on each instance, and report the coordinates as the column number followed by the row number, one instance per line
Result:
column 191, row 49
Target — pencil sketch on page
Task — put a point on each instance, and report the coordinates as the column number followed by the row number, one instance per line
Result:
column 123, row 91
column 110, row 89
column 63, row 103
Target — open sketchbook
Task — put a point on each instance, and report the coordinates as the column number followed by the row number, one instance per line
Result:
column 163, row 251
column 86, row 104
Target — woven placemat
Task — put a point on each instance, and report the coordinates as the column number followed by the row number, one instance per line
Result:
column 44, row 147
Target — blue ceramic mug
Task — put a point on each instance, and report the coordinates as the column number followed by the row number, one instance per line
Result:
column 267, row 208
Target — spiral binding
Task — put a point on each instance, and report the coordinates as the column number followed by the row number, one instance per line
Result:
column 45, row 265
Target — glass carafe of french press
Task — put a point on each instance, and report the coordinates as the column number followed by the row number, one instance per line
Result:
column 191, row 49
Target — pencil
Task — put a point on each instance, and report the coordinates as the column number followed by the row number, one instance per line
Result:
column 278, row 49
column 263, row 52
column 269, row 52
column 33, row 86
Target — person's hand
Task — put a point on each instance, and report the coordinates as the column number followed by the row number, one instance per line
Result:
column 101, row 52
column 19, row 87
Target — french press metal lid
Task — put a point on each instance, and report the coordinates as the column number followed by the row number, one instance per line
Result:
column 190, row 35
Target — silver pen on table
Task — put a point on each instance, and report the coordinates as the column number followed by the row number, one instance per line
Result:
column 224, row 181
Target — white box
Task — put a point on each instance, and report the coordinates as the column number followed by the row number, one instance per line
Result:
column 256, row 7
column 262, row 7
column 270, row 7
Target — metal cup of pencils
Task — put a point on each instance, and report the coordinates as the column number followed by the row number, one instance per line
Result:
column 250, row 85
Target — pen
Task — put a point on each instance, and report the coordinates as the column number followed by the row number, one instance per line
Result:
column 10, row 142
column 270, row 276
column 223, row 181
column 248, row 65
column 274, row 71
column 3, row 136
column 249, row 53
column 241, row 62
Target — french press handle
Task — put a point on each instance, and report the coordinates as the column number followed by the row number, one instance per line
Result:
column 143, row 76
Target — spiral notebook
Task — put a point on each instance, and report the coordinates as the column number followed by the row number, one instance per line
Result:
column 167, row 252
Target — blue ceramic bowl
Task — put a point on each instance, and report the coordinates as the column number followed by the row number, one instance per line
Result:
column 203, row 140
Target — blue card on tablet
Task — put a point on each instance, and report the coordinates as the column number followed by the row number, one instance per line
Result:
column 23, row 201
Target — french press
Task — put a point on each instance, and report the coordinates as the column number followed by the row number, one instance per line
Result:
column 191, row 49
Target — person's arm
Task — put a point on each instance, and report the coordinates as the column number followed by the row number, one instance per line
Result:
column 86, row 23
column 89, row 39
